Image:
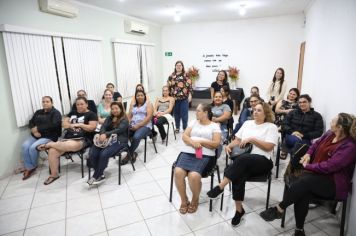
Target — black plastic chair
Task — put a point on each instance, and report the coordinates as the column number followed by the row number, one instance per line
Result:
column 175, row 137
column 154, row 145
column 208, row 171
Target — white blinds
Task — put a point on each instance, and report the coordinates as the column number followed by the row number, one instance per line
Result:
column 127, row 62
column 32, row 73
column 84, row 67
column 148, row 66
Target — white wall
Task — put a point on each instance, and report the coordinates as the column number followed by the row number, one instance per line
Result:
column 89, row 22
column 256, row 46
column 330, row 64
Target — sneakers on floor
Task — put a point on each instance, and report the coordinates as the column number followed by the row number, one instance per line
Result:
column 236, row 220
column 299, row 232
column 216, row 191
column 271, row 214
column 91, row 181
column 99, row 180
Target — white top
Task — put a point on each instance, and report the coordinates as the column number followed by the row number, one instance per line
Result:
column 267, row 132
column 274, row 91
column 201, row 132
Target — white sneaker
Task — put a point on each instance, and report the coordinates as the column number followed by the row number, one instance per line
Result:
column 100, row 180
column 91, row 181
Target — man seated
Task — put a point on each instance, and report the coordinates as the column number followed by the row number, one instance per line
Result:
column 91, row 104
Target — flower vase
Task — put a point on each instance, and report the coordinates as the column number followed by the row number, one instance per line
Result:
column 233, row 84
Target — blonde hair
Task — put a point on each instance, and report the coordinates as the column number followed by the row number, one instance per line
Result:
column 269, row 115
column 348, row 124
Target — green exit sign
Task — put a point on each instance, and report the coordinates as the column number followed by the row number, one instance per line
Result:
column 168, row 54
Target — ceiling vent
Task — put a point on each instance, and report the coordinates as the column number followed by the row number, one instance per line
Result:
column 59, row 7
column 137, row 28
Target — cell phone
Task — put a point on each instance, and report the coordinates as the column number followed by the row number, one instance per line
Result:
column 199, row 153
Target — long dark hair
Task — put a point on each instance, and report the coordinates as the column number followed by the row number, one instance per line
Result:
column 144, row 94
column 183, row 71
column 121, row 116
column 140, row 85
column 275, row 79
column 296, row 91
column 225, row 76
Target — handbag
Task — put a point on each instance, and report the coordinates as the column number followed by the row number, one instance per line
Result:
column 237, row 151
column 74, row 133
column 107, row 142
column 294, row 168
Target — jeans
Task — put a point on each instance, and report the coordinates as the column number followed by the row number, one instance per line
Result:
column 137, row 135
column 181, row 108
column 30, row 153
column 291, row 140
column 244, row 115
column 99, row 157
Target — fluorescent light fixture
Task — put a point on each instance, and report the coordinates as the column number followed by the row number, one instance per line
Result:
column 242, row 10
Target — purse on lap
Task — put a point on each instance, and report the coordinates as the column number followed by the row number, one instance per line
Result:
column 76, row 133
column 237, row 151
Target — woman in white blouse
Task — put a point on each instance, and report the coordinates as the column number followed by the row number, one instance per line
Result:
column 277, row 89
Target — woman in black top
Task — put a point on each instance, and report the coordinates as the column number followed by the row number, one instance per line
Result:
column 45, row 126
column 116, row 95
column 80, row 125
column 283, row 107
column 221, row 80
column 115, row 126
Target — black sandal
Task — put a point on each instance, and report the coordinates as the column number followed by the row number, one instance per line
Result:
column 50, row 180
column 41, row 147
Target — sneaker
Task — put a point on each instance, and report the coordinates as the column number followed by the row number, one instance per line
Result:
column 99, row 180
column 299, row 232
column 271, row 214
column 216, row 191
column 91, row 181
column 237, row 218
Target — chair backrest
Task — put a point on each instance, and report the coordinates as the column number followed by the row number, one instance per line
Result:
column 210, row 167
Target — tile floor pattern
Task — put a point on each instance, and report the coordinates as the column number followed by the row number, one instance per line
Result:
column 139, row 206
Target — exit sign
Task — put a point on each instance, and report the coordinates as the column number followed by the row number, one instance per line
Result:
column 168, row 54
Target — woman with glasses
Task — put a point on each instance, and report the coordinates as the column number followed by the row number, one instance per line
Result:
column 162, row 110
column 302, row 124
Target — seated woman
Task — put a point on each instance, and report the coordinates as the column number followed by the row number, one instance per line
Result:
column 104, row 107
column 116, row 95
column 162, row 110
column 225, row 91
column 283, row 107
column 204, row 136
column 139, row 87
column 116, row 124
column 329, row 165
column 140, row 124
column 263, row 135
column 246, row 114
column 221, row 113
column 302, row 124
column 45, row 126
column 81, row 125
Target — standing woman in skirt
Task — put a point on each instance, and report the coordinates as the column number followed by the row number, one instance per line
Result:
column 201, row 137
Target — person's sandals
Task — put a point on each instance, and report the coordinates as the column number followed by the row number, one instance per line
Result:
column 27, row 174
column 50, row 180
column 41, row 147
column 283, row 155
column 128, row 158
column 183, row 209
column 193, row 207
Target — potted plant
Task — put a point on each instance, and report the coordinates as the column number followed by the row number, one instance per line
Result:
column 233, row 75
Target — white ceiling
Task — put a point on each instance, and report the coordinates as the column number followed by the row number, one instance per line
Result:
column 162, row 11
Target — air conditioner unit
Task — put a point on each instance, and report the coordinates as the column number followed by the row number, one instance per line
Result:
column 137, row 28
column 59, row 7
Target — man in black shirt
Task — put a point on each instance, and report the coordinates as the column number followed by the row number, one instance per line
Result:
column 91, row 103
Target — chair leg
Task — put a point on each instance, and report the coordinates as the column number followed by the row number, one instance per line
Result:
column 144, row 158
column 285, row 210
column 219, row 180
column 268, row 190
column 343, row 216
column 132, row 163
column 171, row 187
column 119, row 170
column 211, row 187
column 173, row 128
column 82, row 163
column 154, row 145
column 278, row 155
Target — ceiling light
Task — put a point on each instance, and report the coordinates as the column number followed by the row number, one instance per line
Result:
column 177, row 17
column 242, row 10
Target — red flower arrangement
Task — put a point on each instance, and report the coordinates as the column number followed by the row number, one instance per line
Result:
column 233, row 73
column 193, row 73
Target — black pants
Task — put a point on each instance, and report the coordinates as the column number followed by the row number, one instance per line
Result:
column 160, row 122
column 300, row 193
column 244, row 167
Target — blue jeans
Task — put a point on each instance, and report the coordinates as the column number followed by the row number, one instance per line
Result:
column 99, row 157
column 244, row 115
column 181, row 108
column 137, row 135
column 30, row 153
column 291, row 140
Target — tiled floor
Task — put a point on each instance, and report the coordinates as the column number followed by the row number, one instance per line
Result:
column 139, row 206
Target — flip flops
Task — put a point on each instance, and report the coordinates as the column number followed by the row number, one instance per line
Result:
column 50, row 180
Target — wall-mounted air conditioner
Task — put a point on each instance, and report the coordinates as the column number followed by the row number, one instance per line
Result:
column 58, row 7
column 137, row 28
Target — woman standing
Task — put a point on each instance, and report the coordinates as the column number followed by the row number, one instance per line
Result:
column 221, row 80
column 104, row 107
column 116, row 124
column 277, row 89
column 162, row 109
column 45, row 126
column 180, row 88
column 204, row 135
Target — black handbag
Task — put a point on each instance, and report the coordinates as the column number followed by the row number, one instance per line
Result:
column 237, row 151
column 74, row 133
